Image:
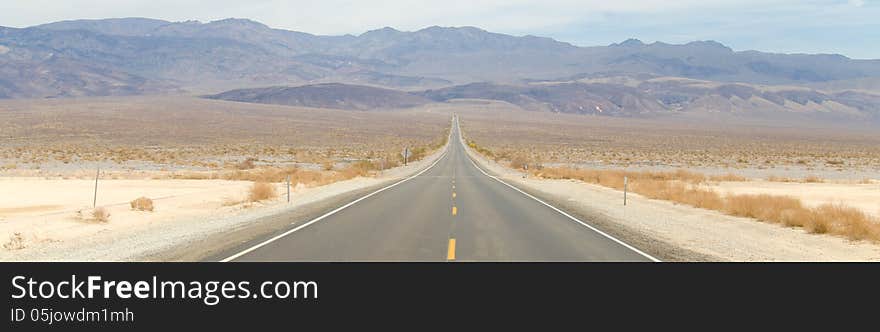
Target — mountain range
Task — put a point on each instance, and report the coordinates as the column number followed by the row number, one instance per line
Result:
column 134, row 56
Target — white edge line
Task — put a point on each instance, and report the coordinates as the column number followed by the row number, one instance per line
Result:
column 261, row 244
column 652, row 258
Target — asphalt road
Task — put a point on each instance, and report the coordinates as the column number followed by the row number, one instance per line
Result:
column 451, row 212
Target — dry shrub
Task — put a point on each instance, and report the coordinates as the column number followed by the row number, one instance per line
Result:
column 729, row 177
column 813, row 179
column 774, row 178
column 101, row 215
column 360, row 168
column 845, row 221
column 683, row 187
column 762, row 207
column 482, row 150
column 195, row 176
column 614, row 178
column 142, row 204
column 702, row 198
column 248, row 163
column 387, row 162
column 685, row 175
column 304, row 176
column 16, row 242
column 806, row 179
column 262, row 191
column 519, row 162
column 274, row 175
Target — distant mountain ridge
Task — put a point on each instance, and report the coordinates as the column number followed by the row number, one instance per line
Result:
column 329, row 95
column 622, row 98
column 130, row 56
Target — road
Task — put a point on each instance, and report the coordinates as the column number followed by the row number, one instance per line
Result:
column 451, row 211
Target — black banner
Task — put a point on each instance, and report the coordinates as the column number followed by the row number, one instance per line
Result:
column 150, row 296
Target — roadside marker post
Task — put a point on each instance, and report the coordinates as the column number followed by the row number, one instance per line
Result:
column 624, row 190
column 405, row 155
column 288, row 188
column 95, row 197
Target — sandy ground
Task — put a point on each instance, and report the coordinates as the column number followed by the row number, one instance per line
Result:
column 44, row 212
column 865, row 197
column 832, row 174
column 655, row 226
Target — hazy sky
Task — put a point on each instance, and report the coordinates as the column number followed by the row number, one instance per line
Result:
column 848, row 27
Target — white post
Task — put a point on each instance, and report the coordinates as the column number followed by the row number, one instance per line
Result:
column 624, row 189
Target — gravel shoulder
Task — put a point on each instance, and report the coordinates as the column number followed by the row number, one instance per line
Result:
column 673, row 232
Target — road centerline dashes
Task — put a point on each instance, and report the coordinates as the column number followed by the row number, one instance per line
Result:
column 450, row 252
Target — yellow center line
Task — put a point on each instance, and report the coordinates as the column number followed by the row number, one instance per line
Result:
column 454, row 210
column 450, row 254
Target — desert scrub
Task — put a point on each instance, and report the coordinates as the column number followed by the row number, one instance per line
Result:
column 99, row 214
column 685, row 187
column 16, row 242
column 729, row 177
column 142, row 204
column 261, row 191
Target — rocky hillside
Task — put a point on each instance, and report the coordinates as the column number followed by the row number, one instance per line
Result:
column 144, row 56
column 333, row 95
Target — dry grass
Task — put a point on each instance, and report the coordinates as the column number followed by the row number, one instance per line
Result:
column 16, row 242
column 261, row 191
column 298, row 175
column 685, row 187
column 101, row 215
column 614, row 178
column 246, row 164
column 729, row 177
column 519, row 162
column 812, row 179
column 806, row 179
column 142, row 204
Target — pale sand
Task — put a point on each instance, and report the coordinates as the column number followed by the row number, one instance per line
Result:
column 865, row 197
column 44, row 212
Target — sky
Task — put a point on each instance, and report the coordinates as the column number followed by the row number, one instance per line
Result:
column 848, row 27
